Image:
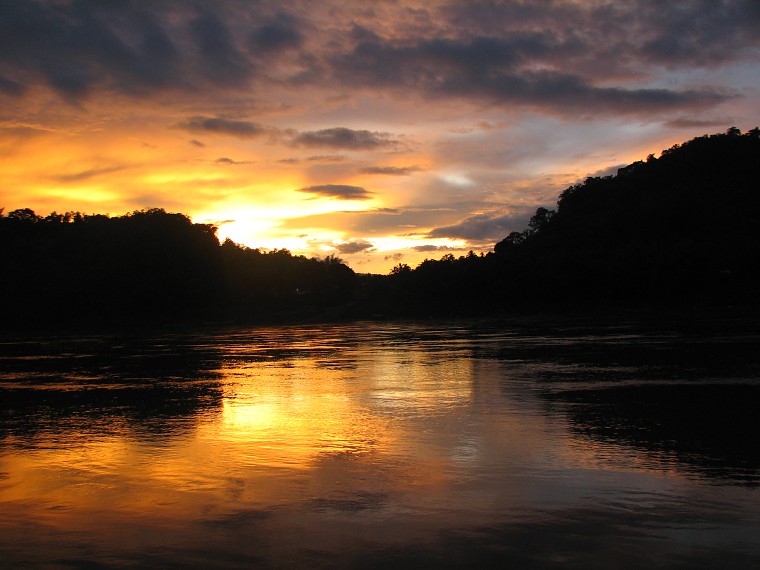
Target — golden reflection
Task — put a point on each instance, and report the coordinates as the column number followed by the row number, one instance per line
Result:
column 323, row 440
column 247, row 417
column 288, row 417
column 283, row 418
column 316, row 429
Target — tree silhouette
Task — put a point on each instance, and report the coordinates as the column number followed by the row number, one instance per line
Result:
column 679, row 230
column 151, row 265
column 675, row 231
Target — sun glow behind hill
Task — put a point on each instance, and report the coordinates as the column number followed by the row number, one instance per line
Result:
column 382, row 135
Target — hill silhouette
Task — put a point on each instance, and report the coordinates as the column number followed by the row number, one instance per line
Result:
column 680, row 230
column 154, row 266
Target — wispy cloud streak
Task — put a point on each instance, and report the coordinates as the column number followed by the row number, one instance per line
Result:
column 341, row 191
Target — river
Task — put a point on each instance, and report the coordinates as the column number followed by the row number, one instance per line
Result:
column 524, row 444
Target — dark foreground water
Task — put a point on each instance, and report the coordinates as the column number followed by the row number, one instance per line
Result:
column 538, row 445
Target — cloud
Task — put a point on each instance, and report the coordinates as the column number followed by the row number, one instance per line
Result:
column 326, row 158
column 354, row 246
column 394, row 257
column 218, row 125
column 343, row 138
column 381, row 221
column 340, row 191
column 278, row 35
column 546, row 56
column 535, row 90
column 229, row 162
column 132, row 47
column 498, row 71
column 219, row 223
column 696, row 33
column 23, row 127
column 391, row 170
column 10, row 87
column 426, row 248
column 705, row 34
column 542, row 55
column 87, row 174
column 218, row 57
column 691, row 123
column 556, row 57
column 483, row 227
column 75, row 46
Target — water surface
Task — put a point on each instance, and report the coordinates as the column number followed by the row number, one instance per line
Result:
column 535, row 445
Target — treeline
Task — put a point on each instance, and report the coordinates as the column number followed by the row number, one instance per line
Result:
column 151, row 265
column 681, row 230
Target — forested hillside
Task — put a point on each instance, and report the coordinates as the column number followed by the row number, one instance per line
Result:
column 684, row 227
column 151, row 266
column 680, row 230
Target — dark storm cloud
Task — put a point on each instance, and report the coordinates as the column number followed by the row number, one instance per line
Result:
column 499, row 72
column 546, row 55
column 691, row 123
column 424, row 62
column 218, row 125
column 391, row 170
column 73, row 46
column 135, row 47
column 132, row 47
column 10, row 87
column 483, row 227
column 694, row 32
column 354, row 246
column 343, row 138
column 218, row 56
column 341, row 191
column 559, row 57
column 280, row 34
column 699, row 32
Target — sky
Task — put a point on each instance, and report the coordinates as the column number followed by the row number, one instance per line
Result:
column 382, row 132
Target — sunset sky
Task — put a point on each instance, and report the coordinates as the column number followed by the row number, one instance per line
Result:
column 378, row 131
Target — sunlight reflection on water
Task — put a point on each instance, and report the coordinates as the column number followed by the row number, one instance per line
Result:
column 376, row 444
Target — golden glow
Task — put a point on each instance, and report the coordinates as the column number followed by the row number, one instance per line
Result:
column 288, row 433
column 250, row 231
column 123, row 156
column 249, row 198
column 88, row 194
column 248, row 188
column 244, row 418
column 178, row 179
column 311, row 429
